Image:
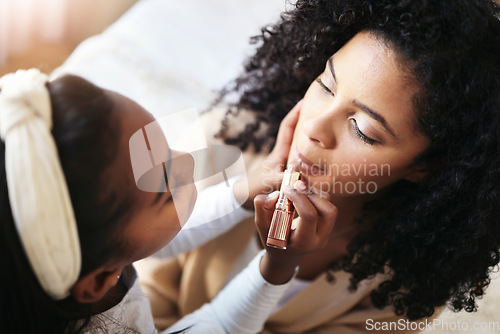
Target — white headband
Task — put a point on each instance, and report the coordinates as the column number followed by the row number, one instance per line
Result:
column 38, row 192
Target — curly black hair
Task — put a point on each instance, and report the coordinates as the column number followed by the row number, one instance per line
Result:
column 441, row 237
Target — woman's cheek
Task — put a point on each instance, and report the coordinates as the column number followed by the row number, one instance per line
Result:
column 351, row 179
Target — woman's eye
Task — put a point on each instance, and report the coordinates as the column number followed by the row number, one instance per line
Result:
column 325, row 88
column 360, row 134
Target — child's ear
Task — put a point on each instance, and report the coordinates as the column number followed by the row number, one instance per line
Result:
column 94, row 286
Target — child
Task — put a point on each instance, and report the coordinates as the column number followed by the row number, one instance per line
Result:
column 73, row 219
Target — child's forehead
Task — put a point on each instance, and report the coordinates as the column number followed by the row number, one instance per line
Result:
column 131, row 119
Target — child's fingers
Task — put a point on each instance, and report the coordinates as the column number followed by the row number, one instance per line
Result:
column 286, row 130
column 327, row 213
column 317, row 217
column 264, row 209
column 302, row 204
column 306, row 229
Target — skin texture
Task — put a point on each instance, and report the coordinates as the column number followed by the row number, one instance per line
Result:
column 335, row 137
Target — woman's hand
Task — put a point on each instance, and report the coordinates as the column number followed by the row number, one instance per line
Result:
column 313, row 228
column 266, row 177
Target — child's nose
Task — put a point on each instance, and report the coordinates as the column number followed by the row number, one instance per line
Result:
column 184, row 165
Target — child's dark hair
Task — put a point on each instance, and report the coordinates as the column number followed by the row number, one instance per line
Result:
column 441, row 238
column 87, row 136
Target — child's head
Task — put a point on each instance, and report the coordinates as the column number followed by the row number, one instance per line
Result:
column 116, row 222
column 431, row 68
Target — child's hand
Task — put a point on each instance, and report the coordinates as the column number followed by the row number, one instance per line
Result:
column 266, row 177
column 314, row 225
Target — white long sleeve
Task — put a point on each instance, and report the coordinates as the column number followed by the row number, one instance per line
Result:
column 242, row 307
column 215, row 212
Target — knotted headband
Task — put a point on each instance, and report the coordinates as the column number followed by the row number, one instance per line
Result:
column 38, row 192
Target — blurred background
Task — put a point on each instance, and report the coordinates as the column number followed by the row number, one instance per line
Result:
column 43, row 33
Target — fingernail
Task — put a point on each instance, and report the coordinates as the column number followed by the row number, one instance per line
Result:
column 273, row 196
column 299, row 185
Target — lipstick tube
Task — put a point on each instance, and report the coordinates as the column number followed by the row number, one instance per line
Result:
column 281, row 223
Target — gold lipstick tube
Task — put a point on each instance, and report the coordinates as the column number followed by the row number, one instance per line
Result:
column 281, row 223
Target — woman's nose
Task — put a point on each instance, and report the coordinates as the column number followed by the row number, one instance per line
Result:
column 320, row 129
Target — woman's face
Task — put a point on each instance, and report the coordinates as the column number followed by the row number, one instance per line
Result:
column 356, row 133
column 156, row 218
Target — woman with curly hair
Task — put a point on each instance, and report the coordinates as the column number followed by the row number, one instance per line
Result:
column 400, row 126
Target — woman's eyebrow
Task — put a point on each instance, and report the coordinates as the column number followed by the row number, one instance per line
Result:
column 376, row 116
column 332, row 69
column 373, row 114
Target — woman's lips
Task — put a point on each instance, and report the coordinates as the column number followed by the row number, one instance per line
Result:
column 308, row 167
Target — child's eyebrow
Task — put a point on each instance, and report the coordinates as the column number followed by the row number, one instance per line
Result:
column 166, row 170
